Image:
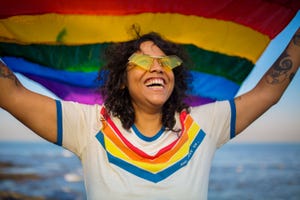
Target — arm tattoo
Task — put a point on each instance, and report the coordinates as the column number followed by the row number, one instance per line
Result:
column 6, row 73
column 292, row 76
column 279, row 71
column 296, row 39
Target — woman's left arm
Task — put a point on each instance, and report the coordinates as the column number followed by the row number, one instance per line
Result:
column 271, row 86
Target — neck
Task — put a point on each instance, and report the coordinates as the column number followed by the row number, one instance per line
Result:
column 148, row 123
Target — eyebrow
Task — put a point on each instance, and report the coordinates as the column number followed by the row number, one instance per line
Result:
column 140, row 51
column 153, row 56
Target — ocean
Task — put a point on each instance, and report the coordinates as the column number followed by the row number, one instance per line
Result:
column 239, row 171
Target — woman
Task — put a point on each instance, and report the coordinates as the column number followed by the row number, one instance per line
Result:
column 145, row 141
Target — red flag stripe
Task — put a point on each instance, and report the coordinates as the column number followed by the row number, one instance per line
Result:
column 267, row 17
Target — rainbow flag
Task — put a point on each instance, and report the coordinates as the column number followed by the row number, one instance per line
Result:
column 58, row 43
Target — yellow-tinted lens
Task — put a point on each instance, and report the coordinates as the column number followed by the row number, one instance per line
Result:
column 141, row 60
column 170, row 61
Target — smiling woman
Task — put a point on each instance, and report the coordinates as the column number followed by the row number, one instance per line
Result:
column 143, row 138
column 149, row 90
column 145, row 132
column 133, row 85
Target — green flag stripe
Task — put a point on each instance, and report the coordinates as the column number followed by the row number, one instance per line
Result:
column 87, row 58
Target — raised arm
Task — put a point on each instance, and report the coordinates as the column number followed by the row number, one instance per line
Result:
column 36, row 111
column 270, row 88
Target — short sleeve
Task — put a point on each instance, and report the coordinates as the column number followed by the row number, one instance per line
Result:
column 217, row 120
column 78, row 122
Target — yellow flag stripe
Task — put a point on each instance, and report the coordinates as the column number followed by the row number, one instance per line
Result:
column 211, row 34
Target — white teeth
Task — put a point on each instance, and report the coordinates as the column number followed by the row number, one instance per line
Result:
column 155, row 82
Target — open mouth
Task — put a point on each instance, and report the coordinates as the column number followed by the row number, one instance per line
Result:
column 155, row 83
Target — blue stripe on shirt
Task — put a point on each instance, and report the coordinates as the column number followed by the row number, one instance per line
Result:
column 59, row 123
column 233, row 118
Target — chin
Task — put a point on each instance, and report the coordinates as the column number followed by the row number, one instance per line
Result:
column 158, row 103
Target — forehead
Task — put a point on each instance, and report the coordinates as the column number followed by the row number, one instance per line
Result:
column 149, row 48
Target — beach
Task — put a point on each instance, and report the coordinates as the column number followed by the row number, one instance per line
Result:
column 39, row 171
column 17, row 177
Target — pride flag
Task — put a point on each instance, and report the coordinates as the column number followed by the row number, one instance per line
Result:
column 59, row 43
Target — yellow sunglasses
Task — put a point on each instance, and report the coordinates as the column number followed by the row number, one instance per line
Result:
column 146, row 61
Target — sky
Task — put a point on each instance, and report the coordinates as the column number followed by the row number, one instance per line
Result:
column 281, row 123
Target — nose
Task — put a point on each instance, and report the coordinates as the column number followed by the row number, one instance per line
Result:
column 156, row 66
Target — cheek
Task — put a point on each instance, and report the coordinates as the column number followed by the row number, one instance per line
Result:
column 133, row 77
column 171, row 78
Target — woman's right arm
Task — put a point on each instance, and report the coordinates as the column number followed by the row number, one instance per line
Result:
column 36, row 111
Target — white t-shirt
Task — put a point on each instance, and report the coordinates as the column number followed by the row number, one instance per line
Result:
column 124, row 164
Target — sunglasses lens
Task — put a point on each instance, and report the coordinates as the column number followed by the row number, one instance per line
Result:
column 171, row 61
column 141, row 60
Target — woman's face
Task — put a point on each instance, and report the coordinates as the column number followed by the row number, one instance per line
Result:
column 150, row 89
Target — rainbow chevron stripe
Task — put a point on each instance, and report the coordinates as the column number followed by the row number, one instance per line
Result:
column 155, row 168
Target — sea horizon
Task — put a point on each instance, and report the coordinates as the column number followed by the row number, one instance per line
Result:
column 239, row 171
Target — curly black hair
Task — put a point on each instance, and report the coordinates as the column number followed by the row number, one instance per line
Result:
column 116, row 97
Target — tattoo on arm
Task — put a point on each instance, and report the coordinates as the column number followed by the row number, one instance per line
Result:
column 280, row 70
column 292, row 76
column 6, row 73
column 296, row 39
